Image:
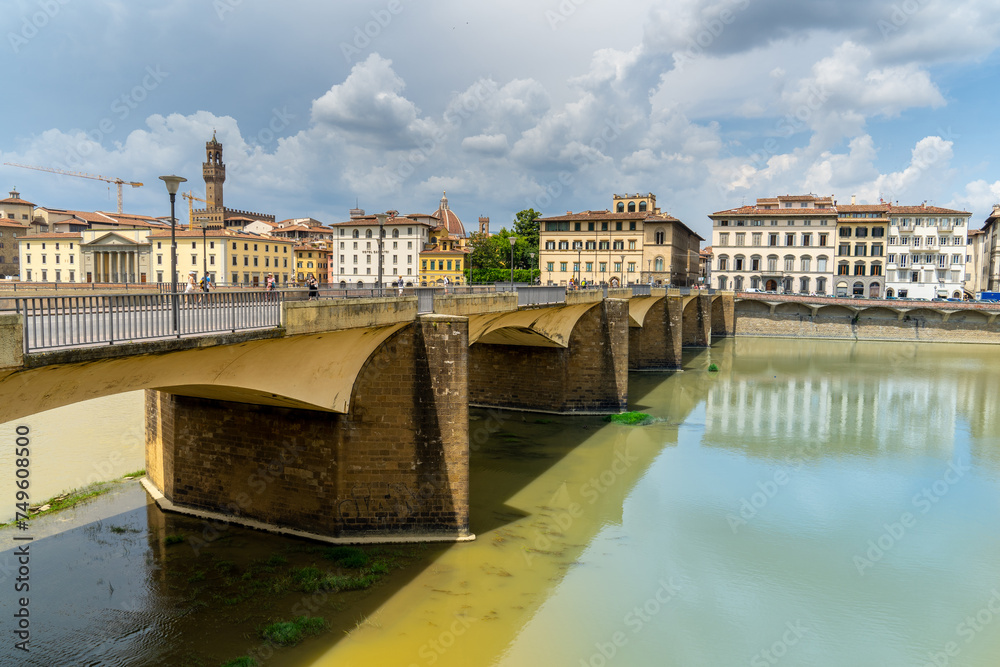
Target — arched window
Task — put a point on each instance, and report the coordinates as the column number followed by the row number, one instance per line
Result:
column 621, row 207
column 658, row 264
column 642, row 206
column 343, row 284
column 661, row 237
column 772, row 263
column 723, row 264
column 395, row 233
column 631, row 207
column 361, row 284
column 356, row 233
column 858, row 289
column 806, row 263
column 722, row 282
column 368, row 233
column 889, row 294
column 740, row 264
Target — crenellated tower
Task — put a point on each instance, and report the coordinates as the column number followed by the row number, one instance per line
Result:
column 214, row 171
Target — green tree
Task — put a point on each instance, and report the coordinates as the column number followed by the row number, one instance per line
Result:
column 526, row 227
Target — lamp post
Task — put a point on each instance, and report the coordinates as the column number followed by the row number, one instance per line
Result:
column 513, row 240
column 172, row 183
column 579, row 252
column 532, row 267
column 623, row 271
column 381, row 232
column 204, row 249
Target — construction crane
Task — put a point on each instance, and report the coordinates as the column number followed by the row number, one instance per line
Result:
column 117, row 181
column 191, row 199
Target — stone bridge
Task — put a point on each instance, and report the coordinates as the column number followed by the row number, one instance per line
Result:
column 350, row 420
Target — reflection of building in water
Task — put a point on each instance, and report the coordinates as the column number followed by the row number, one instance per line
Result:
column 822, row 408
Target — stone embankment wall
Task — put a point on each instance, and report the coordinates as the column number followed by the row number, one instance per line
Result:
column 837, row 319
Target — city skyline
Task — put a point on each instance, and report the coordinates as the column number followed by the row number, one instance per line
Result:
column 550, row 106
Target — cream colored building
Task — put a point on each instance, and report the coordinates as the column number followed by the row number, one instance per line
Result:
column 990, row 280
column 50, row 258
column 927, row 252
column 779, row 244
column 976, row 274
column 635, row 243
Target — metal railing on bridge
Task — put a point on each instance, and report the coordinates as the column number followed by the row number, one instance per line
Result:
column 53, row 322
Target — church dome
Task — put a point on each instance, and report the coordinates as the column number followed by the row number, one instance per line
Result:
column 448, row 219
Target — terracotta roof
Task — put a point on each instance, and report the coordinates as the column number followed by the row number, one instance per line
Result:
column 438, row 251
column 608, row 215
column 370, row 220
column 51, row 235
column 862, row 208
column 777, row 212
column 20, row 202
column 925, row 209
column 8, row 222
column 219, row 233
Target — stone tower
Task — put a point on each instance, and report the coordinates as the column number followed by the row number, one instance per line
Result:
column 484, row 225
column 214, row 171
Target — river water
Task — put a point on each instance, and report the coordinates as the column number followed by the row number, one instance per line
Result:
column 821, row 503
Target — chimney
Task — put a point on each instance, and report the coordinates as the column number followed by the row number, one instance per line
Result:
column 854, row 200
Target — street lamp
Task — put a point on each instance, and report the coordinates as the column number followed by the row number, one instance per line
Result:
column 623, row 271
column 531, row 273
column 172, row 183
column 513, row 240
column 381, row 233
column 579, row 251
column 204, row 250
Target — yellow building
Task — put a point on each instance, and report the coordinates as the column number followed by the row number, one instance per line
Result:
column 50, row 258
column 444, row 255
column 310, row 259
column 634, row 243
column 233, row 258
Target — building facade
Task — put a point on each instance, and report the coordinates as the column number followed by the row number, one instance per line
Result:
column 862, row 233
column 354, row 257
column 926, row 252
column 990, row 281
column 780, row 244
column 213, row 170
column 634, row 244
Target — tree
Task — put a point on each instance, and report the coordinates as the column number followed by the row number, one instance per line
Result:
column 526, row 227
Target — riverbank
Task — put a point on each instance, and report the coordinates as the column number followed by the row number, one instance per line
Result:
column 70, row 499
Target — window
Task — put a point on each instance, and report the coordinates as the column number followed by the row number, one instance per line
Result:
column 860, row 250
column 723, row 263
column 772, row 240
column 859, row 269
column 756, row 238
column 724, row 239
column 876, row 250
column 891, row 258
column 562, row 266
column 754, row 264
column 618, row 226
column 806, row 264
column 821, row 285
column 564, row 245
column 631, row 225
column 631, row 245
column 876, row 269
column 631, row 267
column 738, row 264
column 903, row 259
column 956, row 259
column 843, row 269
column 591, row 245
column 806, row 239
column 821, row 265
column 741, row 238
column 822, row 239
column 550, row 245
column 550, row 266
column 861, row 232
column 845, row 232
column 844, row 250
column 772, row 264
column 604, row 267
column 660, row 237
column 789, row 263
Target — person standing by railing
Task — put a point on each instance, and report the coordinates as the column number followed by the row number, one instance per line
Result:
column 313, row 287
column 190, row 288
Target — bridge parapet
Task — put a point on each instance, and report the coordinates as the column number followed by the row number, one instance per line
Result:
column 11, row 340
column 475, row 304
column 310, row 317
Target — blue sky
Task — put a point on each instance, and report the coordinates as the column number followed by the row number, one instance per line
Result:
column 554, row 104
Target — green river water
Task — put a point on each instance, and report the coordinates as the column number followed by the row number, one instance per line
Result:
column 826, row 503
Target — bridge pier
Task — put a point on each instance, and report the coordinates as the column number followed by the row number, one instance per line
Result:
column 589, row 375
column 698, row 321
column 396, row 465
column 657, row 343
column 724, row 315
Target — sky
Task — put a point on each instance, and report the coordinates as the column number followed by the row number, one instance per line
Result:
column 554, row 105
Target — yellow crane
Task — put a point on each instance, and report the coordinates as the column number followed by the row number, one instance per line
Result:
column 191, row 199
column 117, row 181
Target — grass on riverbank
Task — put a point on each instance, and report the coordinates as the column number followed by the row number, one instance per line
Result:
column 75, row 497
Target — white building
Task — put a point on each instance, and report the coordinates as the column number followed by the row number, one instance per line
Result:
column 354, row 256
column 927, row 252
column 780, row 244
